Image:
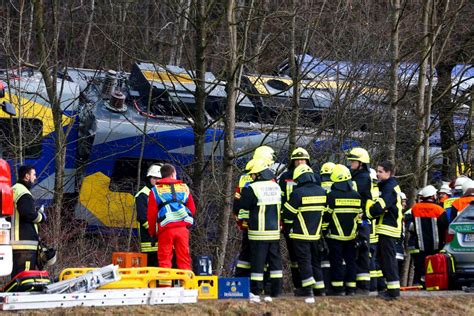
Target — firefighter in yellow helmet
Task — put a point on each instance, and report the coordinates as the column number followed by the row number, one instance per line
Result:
column 360, row 170
column 147, row 245
column 343, row 211
column 299, row 156
column 387, row 210
column 266, row 154
column 326, row 170
column 262, row 199
column 304, row 213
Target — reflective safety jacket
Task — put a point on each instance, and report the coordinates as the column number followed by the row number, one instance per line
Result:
column 326, row 182
column 141, row 206
column 424, row 223
column 241, row 215
column 460, row 204
column 26, row 219
column 387, row 209
column 262, row 198
column 344, row 207
column 305, row 209
column 170, row 204
column 448, row 205
column 367, row 187
column 287, row 185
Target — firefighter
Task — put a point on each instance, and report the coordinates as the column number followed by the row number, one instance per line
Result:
column 363, row 184
column 304, row 212
column 25, row 222
column 387, row 210
column 401, row 242
column 171, row 209
column 299, row 156
column 344, row 208
column 147, row 245
column 467, row 197
column 424, row 228
column 456, row 194
column 265, row 153
column 444, row 193
column 326, row 170
column 262, row 198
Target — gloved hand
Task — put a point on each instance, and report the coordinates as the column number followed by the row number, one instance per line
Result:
column 43, row 213
column 154, row 240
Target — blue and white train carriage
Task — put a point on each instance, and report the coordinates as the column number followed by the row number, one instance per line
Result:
column 106, row 115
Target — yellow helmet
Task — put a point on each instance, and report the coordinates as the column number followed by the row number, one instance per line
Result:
column 340, row 173
column 299, row 153
column 258, row 166
column 359, row 154
column 264, row 153
column 300, row 170
column 327, row 168
column 249, row 165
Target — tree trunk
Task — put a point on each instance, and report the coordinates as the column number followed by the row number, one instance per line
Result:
column 468, row 163
column 446, row 110
column 231, row 88
column 420, row 107
column 295, row 76
column 42, row 48
column 394, row 48
column 88, row 34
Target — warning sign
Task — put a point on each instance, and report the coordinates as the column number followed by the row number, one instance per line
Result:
column 429, row 268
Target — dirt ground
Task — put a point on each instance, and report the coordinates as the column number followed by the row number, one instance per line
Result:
column 422, row 304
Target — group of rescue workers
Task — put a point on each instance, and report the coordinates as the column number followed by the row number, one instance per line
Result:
column 344, row 227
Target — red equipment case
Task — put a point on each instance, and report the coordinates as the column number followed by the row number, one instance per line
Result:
column 440, row 270
column 28, row 281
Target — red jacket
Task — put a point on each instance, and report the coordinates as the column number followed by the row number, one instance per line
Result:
column 154, row 206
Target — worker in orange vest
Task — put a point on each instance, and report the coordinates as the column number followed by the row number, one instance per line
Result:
column 425, row 231
column 467, row 197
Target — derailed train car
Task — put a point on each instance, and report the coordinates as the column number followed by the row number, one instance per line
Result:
column 115, row 119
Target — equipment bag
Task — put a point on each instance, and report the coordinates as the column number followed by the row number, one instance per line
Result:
column 440, row 272
column 28, row 281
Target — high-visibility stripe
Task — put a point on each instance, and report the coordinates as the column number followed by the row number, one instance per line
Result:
column 256, row 276
column 243, row 264
column 276, row 274
column 305, row 237
column 373, row 274
column 307, row 282
column 350, row 284
column 325, row 264
column 337, row 283
column 318, row 285
column 363, row 277
column 290, row 208
column 393, row 285
column 294, row 265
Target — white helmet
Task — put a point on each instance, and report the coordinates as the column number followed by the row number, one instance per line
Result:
column 428, row 191
column 469, row 184
column 459, row 182
column 154, row 171
column 402, row 196
column 445, row 188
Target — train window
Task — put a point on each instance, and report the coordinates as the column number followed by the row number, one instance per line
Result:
column 124, row 174
column 31, row 137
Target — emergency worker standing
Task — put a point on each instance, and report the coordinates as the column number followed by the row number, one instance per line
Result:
column 424, row 228
column 344, row 208
column 362, row 181
column 387, row 210
column 266, row 154
column 326, row 170
column 456, row 194
column 25, row 222
column 467, row 197
column 171, row 208
column 305, row 210
column 299, row 156
column 141, row 206
column 262, row 198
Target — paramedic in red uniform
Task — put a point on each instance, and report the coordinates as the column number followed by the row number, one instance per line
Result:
column 170, row 213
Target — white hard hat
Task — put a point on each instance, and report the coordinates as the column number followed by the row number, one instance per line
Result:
column 459, row 182
column 428, row 191
column 445, row 188
column 154, row 171
column 468, row 184
column 402, row 195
